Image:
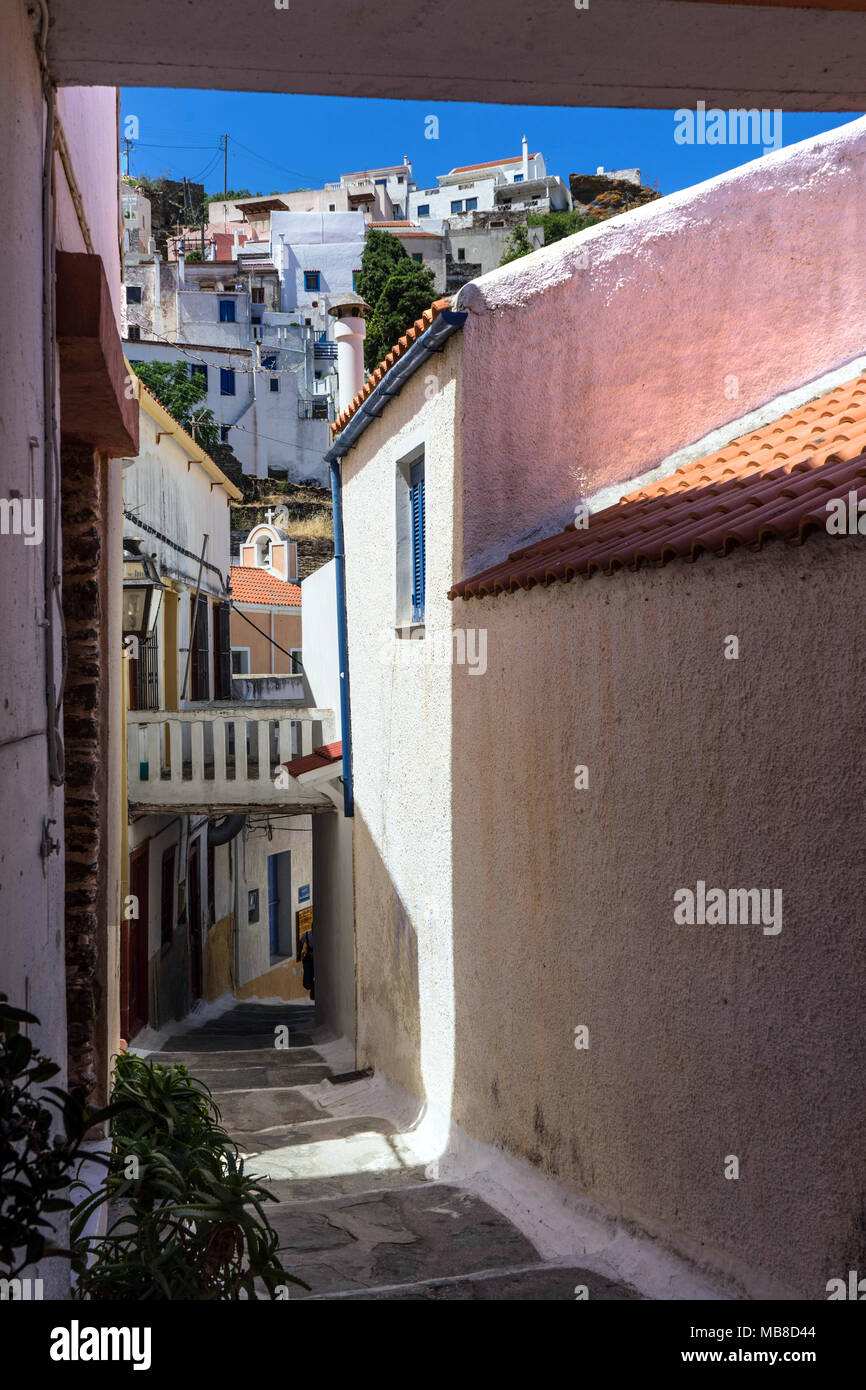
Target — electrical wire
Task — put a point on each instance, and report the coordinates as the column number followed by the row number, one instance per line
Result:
column 295, row 173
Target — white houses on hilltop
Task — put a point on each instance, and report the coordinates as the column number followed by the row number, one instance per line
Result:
column 254, row 327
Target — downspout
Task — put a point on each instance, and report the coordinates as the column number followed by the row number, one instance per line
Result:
column 342, row 637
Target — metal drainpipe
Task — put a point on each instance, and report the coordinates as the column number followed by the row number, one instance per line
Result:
column 342, row 639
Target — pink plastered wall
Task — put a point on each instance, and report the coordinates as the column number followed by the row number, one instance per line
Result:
column 592, row 360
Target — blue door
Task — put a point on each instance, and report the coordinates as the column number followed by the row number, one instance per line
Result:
column 273, row 906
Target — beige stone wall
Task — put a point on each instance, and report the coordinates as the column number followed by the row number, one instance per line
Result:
column 705, row 1041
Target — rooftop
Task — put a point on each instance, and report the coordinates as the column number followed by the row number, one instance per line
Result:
column 773, row 483
column 249, row 584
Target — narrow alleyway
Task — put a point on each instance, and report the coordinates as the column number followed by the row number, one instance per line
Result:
column 384, row 1232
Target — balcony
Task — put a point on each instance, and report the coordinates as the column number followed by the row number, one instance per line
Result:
column 361, row 191
column 223, row 759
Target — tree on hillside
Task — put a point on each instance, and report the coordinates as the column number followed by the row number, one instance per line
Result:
column 558, row 225
column 407, row 292
column 180, row 393
column 382, row 254
column 517, row 245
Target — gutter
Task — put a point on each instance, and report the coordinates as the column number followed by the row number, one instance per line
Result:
column 391, row 384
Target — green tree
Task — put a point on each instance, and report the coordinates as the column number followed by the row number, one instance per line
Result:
column 382, row 254
column 181, row 393
column 517, row 245
column 407, row 292
column 558, row 225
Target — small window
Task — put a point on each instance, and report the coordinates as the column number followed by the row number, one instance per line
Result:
column 461, row 253
column 418, row 257
column 423, row 209
column 224, row 434
column 166, row 898
column 383, row 182
column 297, row 665
column 134, row 333
column 133, row 294
column 240, row 661
column 269, row 361
column 457, row 205
column 518, row 178
column 312, row 281
column 198, row 369
column 258, row 294
column 471, row 204
column 355, row 274
column 227, row 381
column 332, row 207
column 275, row 383
column 416, row 505
column 227, row 311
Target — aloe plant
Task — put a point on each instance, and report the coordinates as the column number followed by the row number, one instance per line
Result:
column 186, row 1220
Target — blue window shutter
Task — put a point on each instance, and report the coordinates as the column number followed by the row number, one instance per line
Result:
column 416, row 499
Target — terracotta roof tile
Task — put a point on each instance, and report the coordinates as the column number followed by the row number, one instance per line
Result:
column 419, row 326
column 491, row 163
column 774, row 482
column 326, row 756
column 252, row 585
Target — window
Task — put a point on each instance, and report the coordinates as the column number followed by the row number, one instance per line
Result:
column 198, row 369
column 416, row 506
column 297, row 665
column 222, row 651
column 518, row 178
column 471, row 204
column 269, row 361
column 134, row 333
column 312, row 280
column 258, row 294
column 144, row 675
column 457, row 205
column 227, row 381
column 423, row 209
column 199, row 648
column 332, row 207
column 461, row 253
column 227, row 311
column 224, row 434
column 355, row 274
column 240, row 661
column 275, row 383
column 133, row 294
column 418, row 257
column 381, row 182
column 166, row 898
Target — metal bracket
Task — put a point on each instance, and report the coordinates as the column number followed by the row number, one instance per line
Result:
column 48, row 845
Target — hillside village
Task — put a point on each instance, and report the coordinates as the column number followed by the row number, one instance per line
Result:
column 429, row 725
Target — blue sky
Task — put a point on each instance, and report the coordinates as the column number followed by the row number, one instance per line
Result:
column 282, row 142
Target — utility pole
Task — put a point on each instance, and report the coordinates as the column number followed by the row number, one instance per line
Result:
column 127, row 146
column 225, row 145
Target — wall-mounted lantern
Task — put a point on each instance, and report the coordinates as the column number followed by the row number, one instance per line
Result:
column 142, row 594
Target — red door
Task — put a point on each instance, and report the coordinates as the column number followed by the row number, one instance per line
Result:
column 133, row 964
column 193, row 884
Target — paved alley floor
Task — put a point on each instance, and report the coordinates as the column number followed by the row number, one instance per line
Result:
column 384, row 1232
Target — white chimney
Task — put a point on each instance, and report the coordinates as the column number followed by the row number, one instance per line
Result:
column 350, row 329
column 525, row 160
column 600, row 169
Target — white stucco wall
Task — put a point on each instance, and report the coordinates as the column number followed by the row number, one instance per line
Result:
column 611, row 349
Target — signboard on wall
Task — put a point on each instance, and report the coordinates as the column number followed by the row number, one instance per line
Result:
column 304, row 921
column 304, row 893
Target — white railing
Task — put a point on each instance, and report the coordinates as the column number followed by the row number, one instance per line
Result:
column 222, row 757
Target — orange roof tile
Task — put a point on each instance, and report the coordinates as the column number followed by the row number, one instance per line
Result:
column 326, row 756
column 409, row 337
column 773, row 482
column 252, row 585
column 491, row 163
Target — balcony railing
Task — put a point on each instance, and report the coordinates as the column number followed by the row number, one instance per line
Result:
column 222, row 759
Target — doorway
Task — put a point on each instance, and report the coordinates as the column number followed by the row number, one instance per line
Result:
column 134, row 994
column 193, row 893
column 280, row 904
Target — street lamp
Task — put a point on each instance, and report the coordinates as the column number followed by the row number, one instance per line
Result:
column 142, row 594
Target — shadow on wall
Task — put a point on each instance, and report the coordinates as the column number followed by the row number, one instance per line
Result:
column 705, row 1042
column 389, row 1013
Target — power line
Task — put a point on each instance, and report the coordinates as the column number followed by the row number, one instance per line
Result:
column 295, row 173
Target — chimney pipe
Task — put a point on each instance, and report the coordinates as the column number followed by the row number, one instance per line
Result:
column 350, row 329
column 525, row 160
